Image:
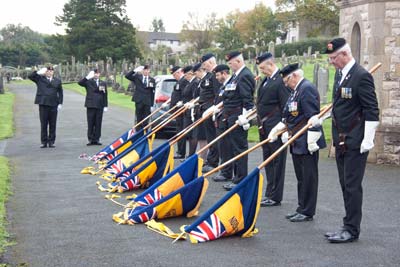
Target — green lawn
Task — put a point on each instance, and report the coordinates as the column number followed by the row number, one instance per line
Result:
column 6, row 131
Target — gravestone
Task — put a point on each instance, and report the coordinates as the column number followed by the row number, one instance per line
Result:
column 1, row 84
column 271, row 48
column 323, row 83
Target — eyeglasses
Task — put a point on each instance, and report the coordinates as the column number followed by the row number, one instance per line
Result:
column 330, row 59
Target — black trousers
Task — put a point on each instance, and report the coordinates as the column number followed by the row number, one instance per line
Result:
column 351, row 168
column 213, row 151
column 187, row 120
column 94, row 120
column 181, row 143
column 141, row 111
column 48, row 123
column 275, row 170
column 306, row 169
column 226, row 153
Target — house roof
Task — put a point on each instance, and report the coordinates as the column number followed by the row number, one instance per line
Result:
column 152, row 37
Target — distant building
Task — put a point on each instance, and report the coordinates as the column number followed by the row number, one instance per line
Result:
column 298, row 31
column 154, row 39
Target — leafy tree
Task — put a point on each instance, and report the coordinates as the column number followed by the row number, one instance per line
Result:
column 99, row 29
column 320, row 15
column 228, row 36
column 201, row 34
column 18, row 34
column 157, row 25
column 258, row 26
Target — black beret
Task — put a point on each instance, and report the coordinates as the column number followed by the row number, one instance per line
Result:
column 146, row 67
column 196, row 67
column 334, row 45
column 220, row 68
column 206, row 57
column 174, row 69
column 50, row 68
column 263, row 57
column 96, row 70
column 187, row 69
column 289, row 69
column 232, row 55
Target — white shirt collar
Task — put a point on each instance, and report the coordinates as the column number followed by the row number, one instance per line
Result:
column 239, row 70
column 204, row 74
column 295, row 88
column 194, row 77
column 227, row 79
column 347, row 68
column 275, row 71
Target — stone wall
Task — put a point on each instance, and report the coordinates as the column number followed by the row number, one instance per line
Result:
column 379, row 23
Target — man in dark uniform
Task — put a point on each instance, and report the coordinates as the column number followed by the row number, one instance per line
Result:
column 96, row 102
column 303, row 103
column 238, row 100
column 188, row 95
column 143, row 96
column 271, row 100
column 49, row 97
column 209, row 88
column 176, row 99
column 355, row 117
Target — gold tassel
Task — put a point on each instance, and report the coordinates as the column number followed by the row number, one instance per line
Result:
column 162, row 229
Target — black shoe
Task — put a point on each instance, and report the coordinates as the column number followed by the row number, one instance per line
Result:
column 266, row 202
column 229, row 186
column 97, row 144
column 207, row 168
column 330, row 234
column 90, row 144
column 52, row 145
column 179, row 156
column 290, row 215
column 301, row 218
column 43, row 145
column 220, row 178
column 342, row 237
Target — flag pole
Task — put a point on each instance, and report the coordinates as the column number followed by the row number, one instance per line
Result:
column 252, row 112
column 151, row 114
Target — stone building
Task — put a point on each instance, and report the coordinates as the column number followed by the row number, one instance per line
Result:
column 372, row 27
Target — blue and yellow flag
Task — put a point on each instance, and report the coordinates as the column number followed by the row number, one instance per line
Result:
column 189, row 170
column 184, row 201
column 150, row 170
column 129, row 156
column 235, row 214
column 116, row 144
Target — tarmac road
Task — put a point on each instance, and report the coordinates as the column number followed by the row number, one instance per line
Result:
column 59, row 218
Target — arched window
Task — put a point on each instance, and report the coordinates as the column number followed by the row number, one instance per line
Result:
column 356, row 42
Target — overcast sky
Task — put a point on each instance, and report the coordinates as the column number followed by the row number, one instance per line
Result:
column 40, row 15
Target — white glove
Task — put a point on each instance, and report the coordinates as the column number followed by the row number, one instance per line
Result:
column 179, row 104
column 105, row 109
column 164, row 105
column 59, row 107
column 192, row 115
column 312, row 138
column 211, row 110
column 189, row 105
column 242, row 120
column 246, row 126
column 139, row 69
column 285, row 137
column 42, row 71
column 90, row 75
column 277, row 128
column 369, row 134
column 315, row 121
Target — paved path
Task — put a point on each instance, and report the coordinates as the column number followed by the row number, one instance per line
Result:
column 59, row 218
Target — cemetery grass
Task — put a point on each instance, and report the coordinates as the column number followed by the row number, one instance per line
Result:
column 6, row 115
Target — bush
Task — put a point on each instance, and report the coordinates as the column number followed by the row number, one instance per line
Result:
column 290, row 49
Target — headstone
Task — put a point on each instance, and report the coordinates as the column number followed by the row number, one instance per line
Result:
column 1, row 84
column 315, row 74
column 271, row 48
column 309, row 51
column 323, row 84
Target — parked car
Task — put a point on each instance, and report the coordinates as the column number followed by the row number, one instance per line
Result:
column 164, row 87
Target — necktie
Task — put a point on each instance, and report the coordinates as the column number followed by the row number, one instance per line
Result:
column 145, row 81
column 233, row 77
column 338, row 79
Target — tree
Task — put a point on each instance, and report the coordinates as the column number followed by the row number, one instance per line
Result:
column 201, row 34
column 258, row 26
column 18, row 34
column 228, row 36
column 99, row 29
column 157, row 25
column 320, row 15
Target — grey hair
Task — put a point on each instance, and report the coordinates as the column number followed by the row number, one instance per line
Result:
column 346, row 48
column 213, row 60
column 240, row 58
column 299, row 72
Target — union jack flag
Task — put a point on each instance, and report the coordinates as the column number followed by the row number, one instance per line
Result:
column 131, row 183
column 115, row 168
column 142, row 217
column 150, row 198
column 208, row 230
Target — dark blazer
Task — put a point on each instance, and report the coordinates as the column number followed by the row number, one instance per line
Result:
column 143, row 93
column 354, row 103
column 271, row 100
column 48, row 93
column 188, row 91
column 239, row 93
column 209, row 88
column 94, row 97
column 300, row 107
column 176, row 95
